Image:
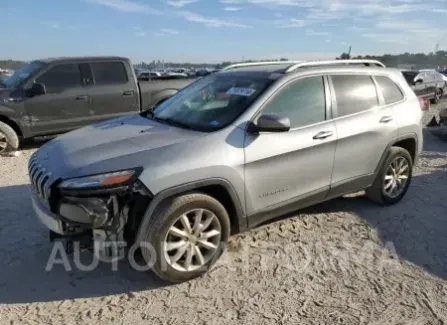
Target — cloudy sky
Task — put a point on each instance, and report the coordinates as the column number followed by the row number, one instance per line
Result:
column 217, row 30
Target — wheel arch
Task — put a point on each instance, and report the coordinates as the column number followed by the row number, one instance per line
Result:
column 218, row 188
column 12, row 124
column 408, row 142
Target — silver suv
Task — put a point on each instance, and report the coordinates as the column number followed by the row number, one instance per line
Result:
column 227, row 153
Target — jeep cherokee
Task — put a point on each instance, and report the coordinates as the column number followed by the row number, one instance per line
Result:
column 227, row 153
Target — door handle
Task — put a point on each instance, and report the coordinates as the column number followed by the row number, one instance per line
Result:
column 386, row 119
column 322, row 135
column 13, row 100
column 128, row 93
column 82, row 97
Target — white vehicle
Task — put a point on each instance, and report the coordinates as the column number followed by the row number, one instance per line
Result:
column 444, row 77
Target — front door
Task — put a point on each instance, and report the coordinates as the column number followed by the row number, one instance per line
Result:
column 364, row 130
column 282, row 168
column 64, row 106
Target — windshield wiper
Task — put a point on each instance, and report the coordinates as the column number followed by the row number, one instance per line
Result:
column 150, row 113
column 171, row 122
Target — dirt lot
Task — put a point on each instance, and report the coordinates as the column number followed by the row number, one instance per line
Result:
column 343, row 262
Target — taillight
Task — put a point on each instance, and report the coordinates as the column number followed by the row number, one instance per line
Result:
column 424, row 103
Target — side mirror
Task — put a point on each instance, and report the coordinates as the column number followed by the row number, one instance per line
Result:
column 270, row 123
column 37, row 89
column 418, row 81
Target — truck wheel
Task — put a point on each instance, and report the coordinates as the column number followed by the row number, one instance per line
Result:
column 186, row 236
column 9, row 140
column 393, row 179
column 438, row 96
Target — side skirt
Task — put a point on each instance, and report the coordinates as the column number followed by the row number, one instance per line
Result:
column 310, row 199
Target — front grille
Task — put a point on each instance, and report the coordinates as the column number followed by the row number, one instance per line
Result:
column 40, row 178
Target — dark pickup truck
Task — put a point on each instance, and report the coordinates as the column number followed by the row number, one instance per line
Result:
column 53, row 96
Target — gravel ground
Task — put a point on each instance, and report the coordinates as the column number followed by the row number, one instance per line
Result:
column 347, row 261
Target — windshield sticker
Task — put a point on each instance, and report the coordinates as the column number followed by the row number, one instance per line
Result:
column 235, row 91
column 215, row 123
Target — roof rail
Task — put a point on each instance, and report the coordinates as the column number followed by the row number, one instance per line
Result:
column 335, row 62
column 254, row 64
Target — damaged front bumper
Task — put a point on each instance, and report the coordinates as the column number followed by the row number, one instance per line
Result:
column 112, row 213
column 46, row 217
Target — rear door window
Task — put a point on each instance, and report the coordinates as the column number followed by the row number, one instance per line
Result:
column 109, row 73
column 438, row 76
column 86, row 74
column 430, row 77
column 390, row 91
column 354, row 93
column 60, row 78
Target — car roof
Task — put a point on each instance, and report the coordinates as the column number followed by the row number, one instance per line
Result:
column 279, row 70
column 81, row 58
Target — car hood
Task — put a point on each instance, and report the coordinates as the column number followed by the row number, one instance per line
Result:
column 120, row 143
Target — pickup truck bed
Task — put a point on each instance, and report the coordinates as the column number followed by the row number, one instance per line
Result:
column 153, row 92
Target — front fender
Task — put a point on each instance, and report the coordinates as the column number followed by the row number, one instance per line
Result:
column 8, row 112
column 184, row 188
column 18, row 119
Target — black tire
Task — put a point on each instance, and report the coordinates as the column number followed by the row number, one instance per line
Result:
column 164, row 217
column 438, row 95
column 376, row 192
column 10, row 138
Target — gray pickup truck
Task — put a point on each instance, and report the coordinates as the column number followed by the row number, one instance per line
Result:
column 53, row 96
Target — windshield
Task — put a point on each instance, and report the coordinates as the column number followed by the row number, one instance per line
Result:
column 213, row 102
column 409, row 76
column 21, row 75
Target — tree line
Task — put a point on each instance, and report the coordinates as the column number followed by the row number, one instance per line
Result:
column 438, row 59
column 431, row 60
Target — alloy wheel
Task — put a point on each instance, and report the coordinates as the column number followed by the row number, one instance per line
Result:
column 3, row 143
column 192, row 240
column 396, row 177
column 438, row 95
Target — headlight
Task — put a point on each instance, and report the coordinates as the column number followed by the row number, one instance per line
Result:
column 101, row 180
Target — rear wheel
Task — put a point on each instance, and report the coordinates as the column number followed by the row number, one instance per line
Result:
column 187, row 234
column 438, row 96
column 9, row 140
column 393, row 179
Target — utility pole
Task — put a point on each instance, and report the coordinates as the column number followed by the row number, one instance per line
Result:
column 349, row 52
column 436, row 55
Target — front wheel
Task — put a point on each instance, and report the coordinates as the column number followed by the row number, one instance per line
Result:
column 9, row 141
column 187, row 235
column 393, row 179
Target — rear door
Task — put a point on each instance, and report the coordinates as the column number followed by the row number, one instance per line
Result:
column 364, row 129
column 113, row 92
column 64, row 106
